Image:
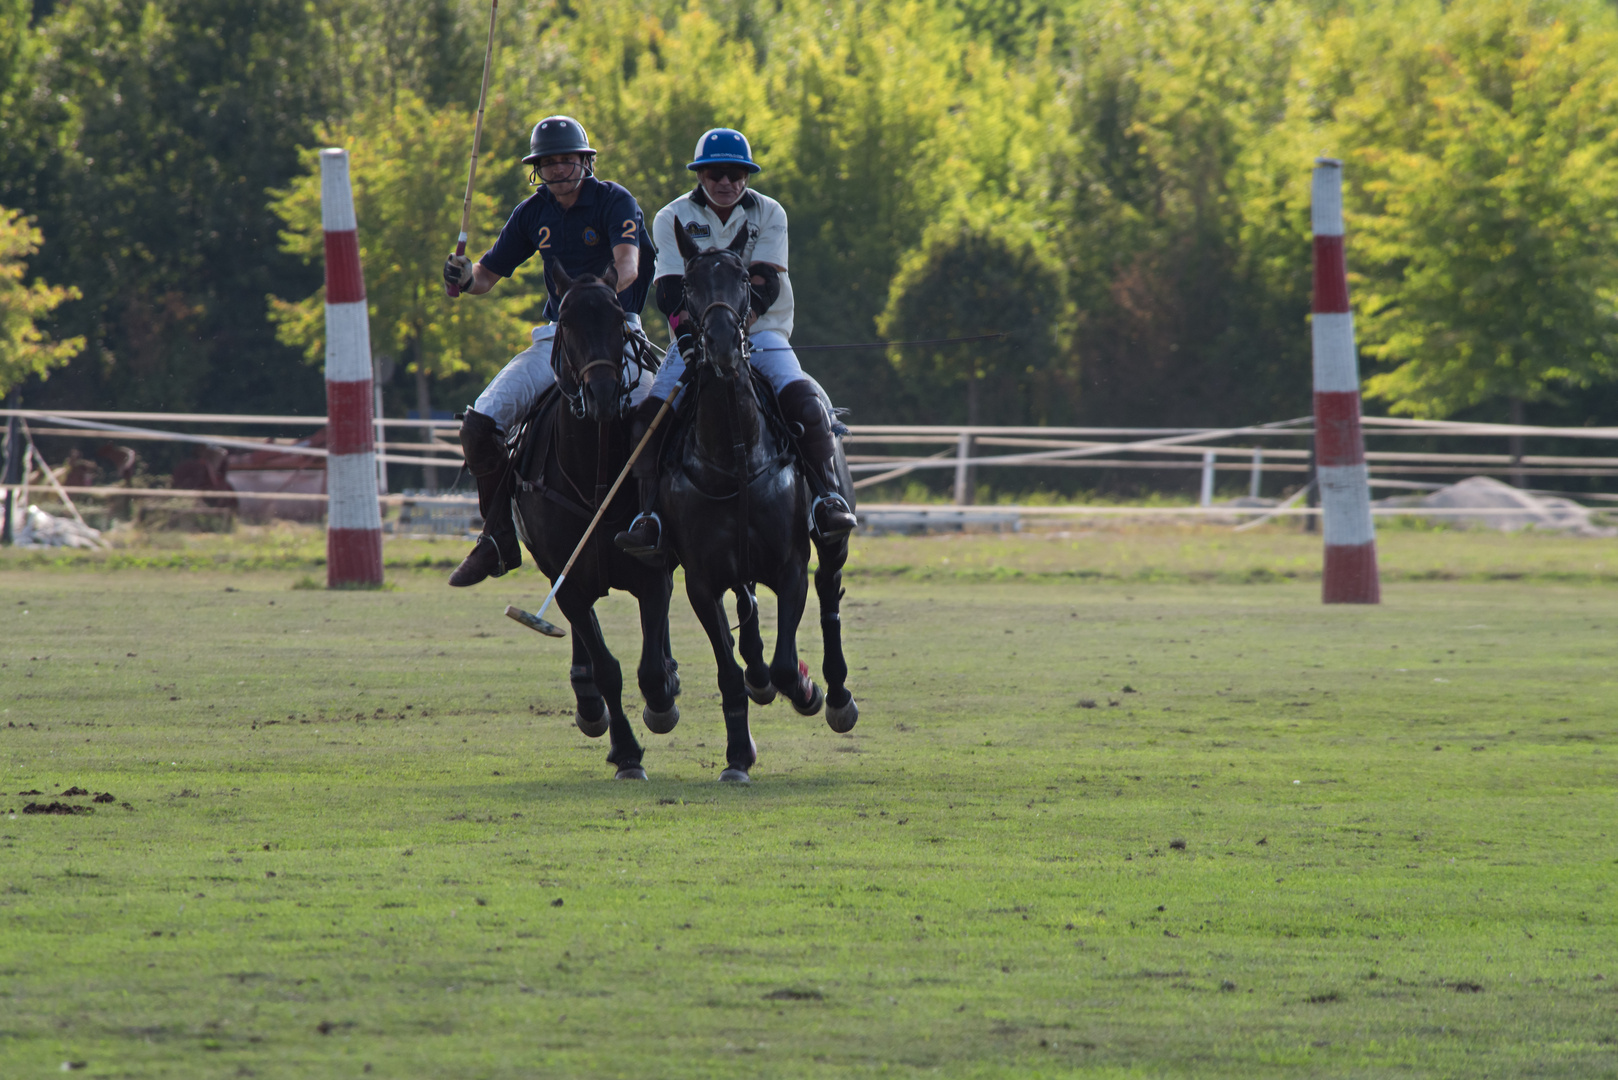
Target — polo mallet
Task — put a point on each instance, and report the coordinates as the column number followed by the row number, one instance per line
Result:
column 535, row 621
column 477, row 137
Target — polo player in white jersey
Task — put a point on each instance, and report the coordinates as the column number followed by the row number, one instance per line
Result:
column 712, row 215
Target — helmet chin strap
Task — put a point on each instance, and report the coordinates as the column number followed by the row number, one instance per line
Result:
column 537, row 179
column 723, row 206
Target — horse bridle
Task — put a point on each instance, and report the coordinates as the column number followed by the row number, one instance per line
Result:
column 575, row 400
column 743, row 344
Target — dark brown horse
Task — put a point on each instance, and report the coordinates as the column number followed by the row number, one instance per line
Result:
column 585, row 448
column 738, row 516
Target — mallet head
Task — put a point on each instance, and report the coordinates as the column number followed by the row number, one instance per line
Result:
column 534, row 622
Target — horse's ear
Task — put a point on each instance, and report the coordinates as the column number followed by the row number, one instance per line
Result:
column 611, row 276
column 688, row 247
column 563, row 282
column 739, row 244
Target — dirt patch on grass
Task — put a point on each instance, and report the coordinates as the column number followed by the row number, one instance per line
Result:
column 56, row 808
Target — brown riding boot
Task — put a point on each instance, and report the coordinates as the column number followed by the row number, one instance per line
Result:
column 830, row 515
column 498, row 549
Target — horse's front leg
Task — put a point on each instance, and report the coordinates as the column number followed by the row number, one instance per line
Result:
column 786, row 673
column 841, row 711
column 659, row 681
column 751, row 646
column 609, row 680
column 741, row 753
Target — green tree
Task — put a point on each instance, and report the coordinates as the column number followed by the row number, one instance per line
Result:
column 407, row 165
column 24, row 349
column 894, row 119
column 1180, row 319
column 967, row 279
column 143, row 137
column 1483, row 230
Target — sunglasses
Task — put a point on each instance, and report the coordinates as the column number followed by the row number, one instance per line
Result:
column 732, row 174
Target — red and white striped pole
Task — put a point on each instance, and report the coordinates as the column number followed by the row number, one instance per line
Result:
column 1345, row 488
column 353, row 515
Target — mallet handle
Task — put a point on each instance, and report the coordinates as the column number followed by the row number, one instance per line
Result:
column 477, row 139
column 616, row 484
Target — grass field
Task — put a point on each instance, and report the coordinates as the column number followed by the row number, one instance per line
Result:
column 1092, row 826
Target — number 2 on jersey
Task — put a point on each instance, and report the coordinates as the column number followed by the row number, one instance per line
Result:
column 629, row 230
column 544, row 237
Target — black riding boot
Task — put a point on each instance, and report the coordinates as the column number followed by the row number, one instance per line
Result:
column 817, row 453
column 644, row 537
column 497, row 550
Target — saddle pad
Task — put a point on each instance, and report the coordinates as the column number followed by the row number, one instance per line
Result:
column 530, row 444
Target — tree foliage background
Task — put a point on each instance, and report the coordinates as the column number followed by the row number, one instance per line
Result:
column 1122, row 182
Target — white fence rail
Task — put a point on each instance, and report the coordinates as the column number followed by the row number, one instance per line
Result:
column 882, row 453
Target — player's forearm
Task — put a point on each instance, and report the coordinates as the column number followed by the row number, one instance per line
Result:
column 483, row 279
column 626, row 260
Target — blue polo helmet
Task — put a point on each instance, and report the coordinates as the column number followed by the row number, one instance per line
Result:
column 724, row 146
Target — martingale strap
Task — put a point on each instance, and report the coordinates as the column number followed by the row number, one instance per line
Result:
column 769, row 414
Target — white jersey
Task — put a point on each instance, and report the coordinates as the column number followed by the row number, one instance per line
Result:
column 766, row 223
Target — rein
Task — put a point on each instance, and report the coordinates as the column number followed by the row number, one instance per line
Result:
column 559, row 354
column 733, row 416
column 644, row 356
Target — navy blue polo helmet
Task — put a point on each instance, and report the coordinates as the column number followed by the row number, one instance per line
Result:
column 724, row 146
column 557, row 135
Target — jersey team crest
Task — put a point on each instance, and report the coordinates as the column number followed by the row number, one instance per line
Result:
column 592, row 237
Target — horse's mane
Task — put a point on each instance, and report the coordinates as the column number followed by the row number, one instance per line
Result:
column 598, row 284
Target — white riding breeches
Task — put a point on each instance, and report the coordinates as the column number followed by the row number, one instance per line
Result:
column 772, row 357
column 513, row 392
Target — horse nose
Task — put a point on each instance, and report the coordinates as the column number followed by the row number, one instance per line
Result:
column 600, row 400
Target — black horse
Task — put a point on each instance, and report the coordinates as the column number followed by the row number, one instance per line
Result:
column 738, row 515
column 572, row 454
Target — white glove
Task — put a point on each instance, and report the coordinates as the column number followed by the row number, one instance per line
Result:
column 458, row 271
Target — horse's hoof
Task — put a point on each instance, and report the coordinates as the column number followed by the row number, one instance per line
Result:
column 842, row 718
column 761, row 695
column 660, row 723
column 816, row 700
column 633, row 772
column 734, row 776
column 595, row 728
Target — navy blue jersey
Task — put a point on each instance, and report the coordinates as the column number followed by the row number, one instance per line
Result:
column 580, row 238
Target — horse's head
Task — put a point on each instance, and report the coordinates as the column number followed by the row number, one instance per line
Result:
column 589, row 354
column 717, row 297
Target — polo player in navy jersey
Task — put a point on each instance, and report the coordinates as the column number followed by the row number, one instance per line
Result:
column 580, row 225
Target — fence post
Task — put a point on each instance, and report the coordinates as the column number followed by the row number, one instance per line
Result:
column 353, row 516
column 1207, row 477
column 1345, row 492
column 1311, row 492
column 1256, row 483
column 963, row 471
column 14, row 463
column 377, row 366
